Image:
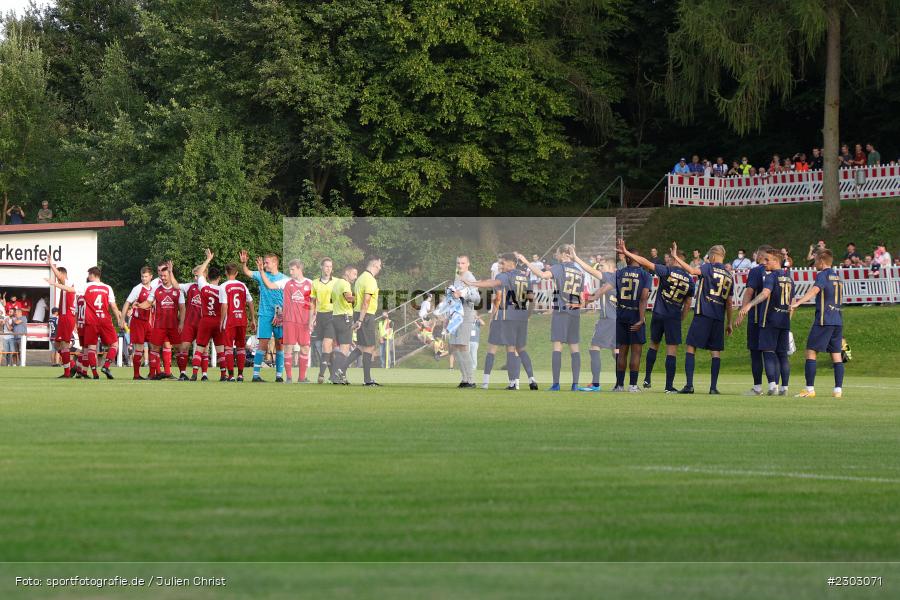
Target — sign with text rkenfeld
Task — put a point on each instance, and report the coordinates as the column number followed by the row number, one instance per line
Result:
column 23, row 256
column 30, row 254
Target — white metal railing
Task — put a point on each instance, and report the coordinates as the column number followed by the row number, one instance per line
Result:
column 780, row 188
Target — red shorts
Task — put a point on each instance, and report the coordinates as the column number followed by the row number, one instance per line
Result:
column 140, row 332
column 295, row 333
column 189, row 333
column 64, row 328
column 104, row 332
column 209, row 330
column 236, row 335
column 160, row 335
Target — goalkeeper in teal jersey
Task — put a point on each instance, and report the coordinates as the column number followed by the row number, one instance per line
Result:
column 271, row 305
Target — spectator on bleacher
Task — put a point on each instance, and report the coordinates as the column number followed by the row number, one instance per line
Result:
column 495, row 267
column 859, row 157
column 696, row 167
column 425, row 307
column 40, row 310
column 45, row 215
column 851, row 251
column 883, row 256
column 813, row 252
column 745, row 166
column 762, row 172
column 681, row 167
column 867, row 261
column 655, row 258
column 25, row 304
column 720, row 169
column 752, row 171
column 856, row 261
column 741, row 262
column 12, row 304
column 9, row 344
column 52, row 322
column 775, row 164
column 20, row 327
column 787, row 166
column 735, row 169
column 696, row 259
column 537, row 264
column 16, row 215
column 816, row 163
column 873, row 159
column 800, row 163
column 844, row 158
column 897, row 261
column 707, row 168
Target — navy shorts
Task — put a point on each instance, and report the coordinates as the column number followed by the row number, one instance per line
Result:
column 625, row 336
column 495, row 335
column 825, row 338
column 706, row 333
column 752, row 336
column 604, row 334
column 774, row 339
column 515, row 333
column 670, row 327
column 565, row 326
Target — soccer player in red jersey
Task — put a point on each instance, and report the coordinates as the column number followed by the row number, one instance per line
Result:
column 297, row 316
column 99, row 302
column 140, row 319
column 210, row 326
column 234, row 298
column 192, row 314
column 65, row 326
column 167, row 301
column 81, row 365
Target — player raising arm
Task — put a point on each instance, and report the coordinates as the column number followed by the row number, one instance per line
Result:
column 827, row 329
column 673, row 302
column 605, row 328
column 65, row 325
column 270, row 311
column 712, row 313
column 633, row 294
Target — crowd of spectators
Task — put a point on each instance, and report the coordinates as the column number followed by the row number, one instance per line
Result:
column 15, row 214
column 799, row 162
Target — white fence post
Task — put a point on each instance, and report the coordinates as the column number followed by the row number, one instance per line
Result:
column 23, row 342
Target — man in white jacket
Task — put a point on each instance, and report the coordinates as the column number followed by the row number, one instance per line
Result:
column 459, row 340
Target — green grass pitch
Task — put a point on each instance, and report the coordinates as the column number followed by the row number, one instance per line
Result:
column 418, row 471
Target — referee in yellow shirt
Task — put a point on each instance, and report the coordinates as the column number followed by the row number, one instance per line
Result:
column 365, row 296
column 342, row 323
column 322, row 329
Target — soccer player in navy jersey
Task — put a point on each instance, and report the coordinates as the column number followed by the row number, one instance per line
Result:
column 511, row 318
column 565, row 322
column 774, row 319
column 605, row 329
column 827, row 329
column 632, row 293
column 754, row 287
column 672, row 304
column 712, row 313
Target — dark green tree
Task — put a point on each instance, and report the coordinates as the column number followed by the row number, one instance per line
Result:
column 741, row 55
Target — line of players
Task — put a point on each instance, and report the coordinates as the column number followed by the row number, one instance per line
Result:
column 623, row 297
column 216, row 307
